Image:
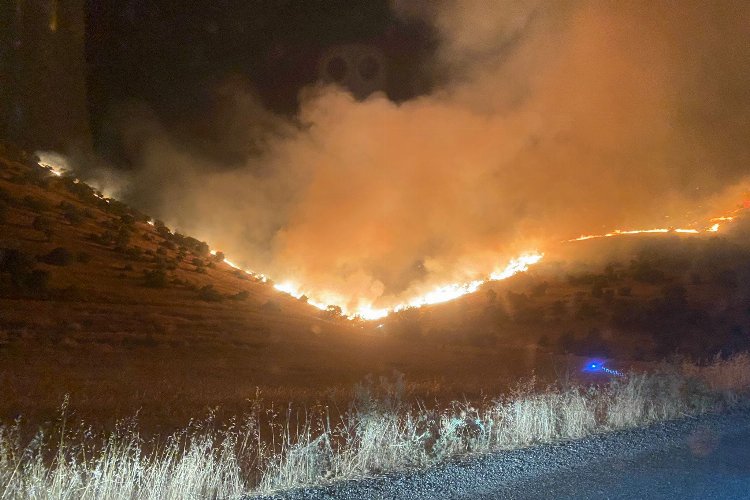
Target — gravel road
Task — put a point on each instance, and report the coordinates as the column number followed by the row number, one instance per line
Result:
column 706, row 457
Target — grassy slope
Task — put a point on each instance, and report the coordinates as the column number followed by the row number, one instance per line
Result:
column 117, row 346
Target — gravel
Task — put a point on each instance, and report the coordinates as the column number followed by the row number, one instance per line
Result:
column 519, row 473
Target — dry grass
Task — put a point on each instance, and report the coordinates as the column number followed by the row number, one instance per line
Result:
column 379, row 432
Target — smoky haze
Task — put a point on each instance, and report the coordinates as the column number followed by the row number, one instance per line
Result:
column 551, row 120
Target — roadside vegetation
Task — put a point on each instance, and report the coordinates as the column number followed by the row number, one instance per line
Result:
column 272, row 448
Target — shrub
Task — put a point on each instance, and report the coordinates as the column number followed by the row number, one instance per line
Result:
column 6, row 196
column 122, row 238
column 83, row 257
column 71, row 292
column 156, row 278
column 3, row 212
column 163, row 230
column 72, row 214
column 243, row 295
column 127, row 219
column 219, row 257
column 134, row 253
column 14, row 261
column 210, row 294
column 37, row 281
column 58, row 257
column 271, row 306
column 35, row 204
column 645, row 272
column 42, row 223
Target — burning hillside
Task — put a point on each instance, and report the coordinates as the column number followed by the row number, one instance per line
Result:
column 549, row 120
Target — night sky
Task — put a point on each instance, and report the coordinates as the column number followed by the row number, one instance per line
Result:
column 171, row 56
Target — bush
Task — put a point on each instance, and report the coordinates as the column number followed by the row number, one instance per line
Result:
column 133, row 253
column 156, row 278
column 127, row 219
column 645, row 272
column 3, row 212
column 162, row 230
column 122, row 238
column 210, row 294
column 83, row 257
column 15, row 262
column 36, row 281
column 243, row 295
column 72, row 214
column 58, row 257
column 35, row 204
column 71, row 293
column 42, row 223
column 219, row 257
column 271, row 306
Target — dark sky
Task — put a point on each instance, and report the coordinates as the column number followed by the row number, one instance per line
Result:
column 173, row 55
column 82, row 62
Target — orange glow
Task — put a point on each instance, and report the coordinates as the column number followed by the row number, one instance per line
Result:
column 618, row 232
column 452, row 291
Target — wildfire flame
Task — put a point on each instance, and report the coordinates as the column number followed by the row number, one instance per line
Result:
column 617, row 232
column 444, row 293
column 451, row 291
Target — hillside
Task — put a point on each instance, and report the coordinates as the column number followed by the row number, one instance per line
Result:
column 99, row 302
column 636, row 298
column 126, row 317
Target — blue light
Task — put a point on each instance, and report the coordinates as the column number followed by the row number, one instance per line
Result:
column 597, row 365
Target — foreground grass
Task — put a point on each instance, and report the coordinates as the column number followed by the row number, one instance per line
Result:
column 379, row 432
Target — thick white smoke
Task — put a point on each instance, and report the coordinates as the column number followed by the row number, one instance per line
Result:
column 553, row 119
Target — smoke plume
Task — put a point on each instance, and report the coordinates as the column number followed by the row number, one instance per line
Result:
column 550, row 120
